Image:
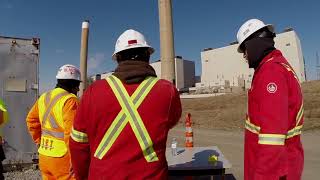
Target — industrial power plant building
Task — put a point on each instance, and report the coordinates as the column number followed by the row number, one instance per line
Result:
column 225, row 67
column 184, row 72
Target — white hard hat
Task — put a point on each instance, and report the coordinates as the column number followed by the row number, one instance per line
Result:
column 130, row 39
column 69, row 71
column 248, row 28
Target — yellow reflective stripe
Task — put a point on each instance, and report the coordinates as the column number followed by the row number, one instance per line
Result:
column 5, row 114
column 142, row 94
column 50, row 106
column 291, row 133
column 2, row 106
column 291, row 70
column 47, row 98
column 111, row 135
column 79, row 136
column 2, row 109
column 135, row 121
column 272, row 139
column 121, row 120
column 251, row 127
column 299, row 115
column 294, row 132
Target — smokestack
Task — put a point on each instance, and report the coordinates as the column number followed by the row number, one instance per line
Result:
column 166, row 40
column 84, row 56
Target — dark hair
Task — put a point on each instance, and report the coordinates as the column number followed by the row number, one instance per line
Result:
column 67, row 84
column 135, row 54
column 262, row 33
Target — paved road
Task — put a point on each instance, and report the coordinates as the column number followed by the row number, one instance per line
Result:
column 231, row 145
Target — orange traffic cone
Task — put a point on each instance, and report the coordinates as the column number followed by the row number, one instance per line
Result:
column 189, row 133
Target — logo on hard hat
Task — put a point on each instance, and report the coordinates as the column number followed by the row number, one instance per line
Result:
column 246, row 32
column 272, row 87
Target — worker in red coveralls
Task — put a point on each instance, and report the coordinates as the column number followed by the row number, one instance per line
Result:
column 273, row 148
column 122, row 123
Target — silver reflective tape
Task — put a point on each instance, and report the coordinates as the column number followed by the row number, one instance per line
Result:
column 272, row 139
column 113, row 132
column 52, row 133
column 134, row 118
column 143, row 89
column 53, row 122
column 79, row 137
column 52, row 103
column 47, row 98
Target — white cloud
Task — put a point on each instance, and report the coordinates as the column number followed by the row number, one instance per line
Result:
column 95, row 62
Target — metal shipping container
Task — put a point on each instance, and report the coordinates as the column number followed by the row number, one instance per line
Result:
column 19, row 84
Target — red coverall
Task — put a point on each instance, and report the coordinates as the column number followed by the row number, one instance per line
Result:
column 160, row 111
column 273, row 148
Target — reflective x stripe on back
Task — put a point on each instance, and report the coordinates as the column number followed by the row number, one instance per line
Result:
column 129, row 114
column 47, row 116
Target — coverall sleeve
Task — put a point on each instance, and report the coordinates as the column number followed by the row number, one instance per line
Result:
column 79, row 145
column 175, row 108
column 33, row 123
column 69, row 112
column 273, row 117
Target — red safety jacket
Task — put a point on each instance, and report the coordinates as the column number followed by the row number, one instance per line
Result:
column 120, row 130
column 273, row 148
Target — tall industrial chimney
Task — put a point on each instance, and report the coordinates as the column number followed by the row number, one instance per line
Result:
column 166, row 40
column 84, row 56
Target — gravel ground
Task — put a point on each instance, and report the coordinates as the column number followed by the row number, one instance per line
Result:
column 29, row 174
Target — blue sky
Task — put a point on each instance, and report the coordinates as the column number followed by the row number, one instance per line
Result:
column 198, row 24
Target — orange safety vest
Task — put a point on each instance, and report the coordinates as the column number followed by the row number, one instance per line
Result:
column 50, row 107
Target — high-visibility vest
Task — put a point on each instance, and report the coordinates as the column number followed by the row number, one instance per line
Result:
column 4, row 115
column 279, row 139
column 128, row 114
column 50, row 107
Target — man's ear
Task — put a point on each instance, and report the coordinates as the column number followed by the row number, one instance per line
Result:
column 118, row 57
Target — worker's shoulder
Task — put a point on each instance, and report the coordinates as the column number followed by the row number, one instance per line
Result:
column 273, row 67
column 165, row 84
column 44, row 93
column 98, row 85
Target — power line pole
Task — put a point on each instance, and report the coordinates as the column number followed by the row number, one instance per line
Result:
column 318, row 66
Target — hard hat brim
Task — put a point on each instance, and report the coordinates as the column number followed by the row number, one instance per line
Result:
column 270, row 28
column 150, row 49
column 68, row 79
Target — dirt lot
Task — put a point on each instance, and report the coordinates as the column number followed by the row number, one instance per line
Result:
column 227, row 112
column 219, row 121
